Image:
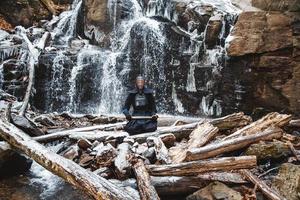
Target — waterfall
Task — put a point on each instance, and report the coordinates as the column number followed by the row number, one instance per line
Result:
column 163, row 40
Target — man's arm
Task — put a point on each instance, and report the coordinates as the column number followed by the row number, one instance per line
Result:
column 152, row 104
column 127, row 105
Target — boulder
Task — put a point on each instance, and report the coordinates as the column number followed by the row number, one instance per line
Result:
column 215, row 191
column 26, row 125
column 287, row 182
column 269, row 150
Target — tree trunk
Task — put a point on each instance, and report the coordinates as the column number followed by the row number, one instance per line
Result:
column 146, row 189
column 196, row 167
column 95, row 186
column 233, row 144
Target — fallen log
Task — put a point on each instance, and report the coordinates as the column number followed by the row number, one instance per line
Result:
column 161, row 151
column 295, row 123
column 67, row 133
column 196, row 167
column 233, row 144
column 232, row 121
column 267, row 191
column 95, row 186
column 271, row 119
column 98, row 135
column 199, row 137
column 178, row 131
column 183, row 131
column 174, row 185
column 122, row 161
column 146, row 189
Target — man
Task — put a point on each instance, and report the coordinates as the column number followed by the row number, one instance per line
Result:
column 143, row 103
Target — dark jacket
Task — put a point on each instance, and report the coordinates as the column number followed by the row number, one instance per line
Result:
column 147, row 110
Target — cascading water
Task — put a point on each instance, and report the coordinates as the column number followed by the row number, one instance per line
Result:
column 154, row 38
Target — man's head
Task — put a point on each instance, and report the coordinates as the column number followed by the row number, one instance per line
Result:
column 140, row 82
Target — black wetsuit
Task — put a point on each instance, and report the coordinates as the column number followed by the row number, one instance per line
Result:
column 143, row 104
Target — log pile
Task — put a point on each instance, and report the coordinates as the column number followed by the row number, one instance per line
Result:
column 177, row 159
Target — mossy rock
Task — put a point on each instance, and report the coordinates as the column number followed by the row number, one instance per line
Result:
column 287, row 182
column 269, row 150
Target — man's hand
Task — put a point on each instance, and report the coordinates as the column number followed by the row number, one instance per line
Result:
column 154, row 117
column 128, row 117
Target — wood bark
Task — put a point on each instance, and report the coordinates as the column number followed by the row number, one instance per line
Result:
column 267, row 191
column 122, row 161
column 196, row 167
column 295, row 123
column 199, row 137
column 231, row 121
column 181, row 185
column 66, row 133
column 95, row 186
column 271, row 119
column 233, row 144
column 146, row 189
column 173, row 185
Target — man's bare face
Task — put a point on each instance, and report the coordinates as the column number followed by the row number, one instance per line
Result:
column 140, row 84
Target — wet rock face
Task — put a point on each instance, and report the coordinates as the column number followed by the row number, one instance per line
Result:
column 259, row 32
column 287, row 182
column 264, row 63
column 12, row 163
column 277, row 5
column 26, row 12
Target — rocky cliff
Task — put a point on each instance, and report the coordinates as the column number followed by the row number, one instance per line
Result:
column 264, row 58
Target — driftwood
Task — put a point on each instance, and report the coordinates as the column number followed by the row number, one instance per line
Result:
column 122, row 161
column 173, row 185
column 196, row 167
column 95, row 186
column 161, row 150
column 272, row 119
column 98, row 135
column 180, row 185
column 146, row 189
column 229, row 145
column 267, row 191
column 35, row 52
column 199, row 137
column 231, row 121
column 67, row 133
column 183, row 131
column 295, row 123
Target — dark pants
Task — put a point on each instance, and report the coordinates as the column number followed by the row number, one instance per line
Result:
column 134, row 127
